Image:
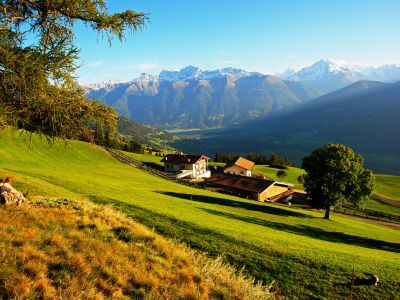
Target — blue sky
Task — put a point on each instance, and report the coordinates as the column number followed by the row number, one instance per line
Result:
column 256, row 35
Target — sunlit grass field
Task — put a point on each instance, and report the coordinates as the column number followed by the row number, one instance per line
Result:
column 292, row 174
column 305, row 255
column 388, row 186
column 145, row 158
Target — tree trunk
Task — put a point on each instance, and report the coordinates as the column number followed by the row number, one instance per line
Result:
column 327, row 211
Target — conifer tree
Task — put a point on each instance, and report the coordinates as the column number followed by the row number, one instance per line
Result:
column 38, row 61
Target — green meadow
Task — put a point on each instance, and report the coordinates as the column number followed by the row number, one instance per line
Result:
column 388, row 186
column 146, row 158
column 304, row 255
column 292, row 174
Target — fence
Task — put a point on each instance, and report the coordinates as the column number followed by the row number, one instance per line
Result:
column 137, row 164
column 370, row 214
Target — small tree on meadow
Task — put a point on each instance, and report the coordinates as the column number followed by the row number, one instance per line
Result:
column 281, row 174
column 335, row 176
column 300, row 179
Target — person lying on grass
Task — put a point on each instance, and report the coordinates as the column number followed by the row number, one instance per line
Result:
column 9, row 195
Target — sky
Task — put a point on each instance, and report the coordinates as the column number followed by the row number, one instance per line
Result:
column 266, row 36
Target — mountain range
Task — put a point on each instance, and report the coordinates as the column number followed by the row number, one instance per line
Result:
column 192, row 98
column 327, row 76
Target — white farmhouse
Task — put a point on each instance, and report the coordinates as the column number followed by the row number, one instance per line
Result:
column 187, row 165
column 241, row 166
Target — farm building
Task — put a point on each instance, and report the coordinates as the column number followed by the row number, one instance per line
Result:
column 241, row 166
column 254, row 188
column 187, row 165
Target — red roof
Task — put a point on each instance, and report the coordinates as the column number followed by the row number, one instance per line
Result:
column 180, row 159
column 243, row 163
column 250, row 184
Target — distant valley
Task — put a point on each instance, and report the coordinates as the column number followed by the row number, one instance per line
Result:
column 364, row 115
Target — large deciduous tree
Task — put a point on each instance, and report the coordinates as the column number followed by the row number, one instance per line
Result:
column 38, row 59
column 335, row 176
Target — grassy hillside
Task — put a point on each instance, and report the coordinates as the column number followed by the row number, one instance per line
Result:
column 306, row 255
column 379, row 206
column 388, row 186
column 144, row 134
column 292, row 174
column 146, row 158
column 385, row 184
column 61, row 249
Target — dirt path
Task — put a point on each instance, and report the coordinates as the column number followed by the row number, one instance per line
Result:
column 385, row 200
column 378, row 222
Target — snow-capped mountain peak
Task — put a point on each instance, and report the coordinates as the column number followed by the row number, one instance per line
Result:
column 328, row 75
column 186, row 73
column 108, row 84
column 190, row 73
column 319, row 70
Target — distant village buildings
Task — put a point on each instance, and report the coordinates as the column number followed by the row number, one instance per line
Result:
column 187, row 165
column 241, row 166
column 236, row 177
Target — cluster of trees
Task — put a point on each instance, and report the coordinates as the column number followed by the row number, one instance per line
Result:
column 260, row 159
column 38, row 91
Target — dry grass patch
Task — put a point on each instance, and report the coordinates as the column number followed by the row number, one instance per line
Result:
column 59, row 249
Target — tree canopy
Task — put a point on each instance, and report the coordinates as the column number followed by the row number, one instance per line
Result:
column 281, row 174
column 335, row 176
column 38, row 59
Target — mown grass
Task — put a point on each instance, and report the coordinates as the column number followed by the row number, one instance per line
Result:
column 379, row 206
column 292, row 174
column 307, row 256
column 63, row 250
column 388, row 186
column 146, row 158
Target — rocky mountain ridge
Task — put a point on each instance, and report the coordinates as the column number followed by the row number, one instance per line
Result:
column 191, row 98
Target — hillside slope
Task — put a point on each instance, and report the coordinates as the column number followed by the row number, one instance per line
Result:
column 292, row 247
column 60, row 249
column 139, row 133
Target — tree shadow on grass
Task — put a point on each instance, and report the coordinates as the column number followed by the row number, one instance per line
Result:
column 248, row 205
column 263, row 262
column 318, row 233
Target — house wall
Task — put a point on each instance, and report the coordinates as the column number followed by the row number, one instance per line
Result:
column 271, row 191
column 197, row 169
column 238, row 171
column 200, row 169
